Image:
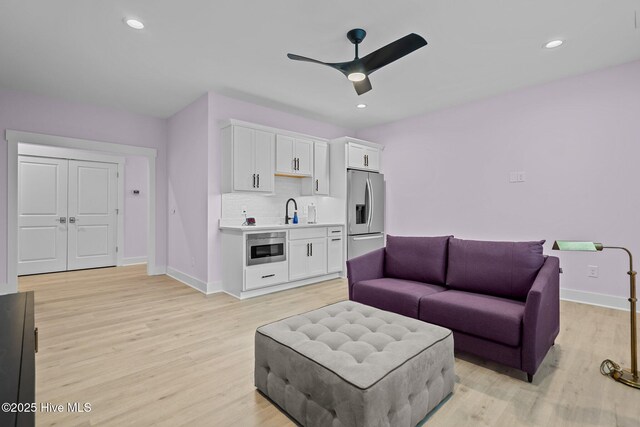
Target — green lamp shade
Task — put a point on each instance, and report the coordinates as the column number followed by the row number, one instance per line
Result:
column 565, row 245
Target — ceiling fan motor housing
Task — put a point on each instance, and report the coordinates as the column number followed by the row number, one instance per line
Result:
column 356, row 35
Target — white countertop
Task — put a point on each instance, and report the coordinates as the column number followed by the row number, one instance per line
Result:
column 231, row 226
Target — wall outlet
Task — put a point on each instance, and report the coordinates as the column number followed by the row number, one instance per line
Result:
column 513, row 176
column 522, row 176
column 593, row 270
column 244, row 210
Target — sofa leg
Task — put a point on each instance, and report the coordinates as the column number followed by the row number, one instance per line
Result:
column 530, row 377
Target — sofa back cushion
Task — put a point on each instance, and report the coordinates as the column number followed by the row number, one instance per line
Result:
column 421, row 259
column 505, row 269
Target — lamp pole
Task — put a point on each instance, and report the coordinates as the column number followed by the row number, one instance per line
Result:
column 630, row 377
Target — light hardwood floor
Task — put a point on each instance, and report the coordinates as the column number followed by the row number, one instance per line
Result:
column 152, row 351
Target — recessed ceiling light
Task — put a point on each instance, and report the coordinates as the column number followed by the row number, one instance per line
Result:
column 553, row 44
column 361, row 106
column 134, row 23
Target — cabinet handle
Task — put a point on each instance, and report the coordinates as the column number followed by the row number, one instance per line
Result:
column 35, row 336
column 336, row 231
column 258, row 180
column 254, row 180
column 335, row 240
column 297, row 163
column 316, row 185
column 307, row 249
column 62, row 220
column 311, row 249
column 72, row 220
column 268, row 275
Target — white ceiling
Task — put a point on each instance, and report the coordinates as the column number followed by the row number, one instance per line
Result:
column 81, row 50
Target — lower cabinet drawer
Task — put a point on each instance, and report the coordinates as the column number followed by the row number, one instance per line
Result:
column 261, row 276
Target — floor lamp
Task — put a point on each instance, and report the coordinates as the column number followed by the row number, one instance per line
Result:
column 612, row 369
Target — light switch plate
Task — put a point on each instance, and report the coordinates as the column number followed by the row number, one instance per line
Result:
column 593, row 270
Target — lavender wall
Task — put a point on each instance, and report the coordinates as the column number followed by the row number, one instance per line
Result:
column 187, row 184
column 136, row 177
column 31, row 113
column 222, row 108
column 577, row 139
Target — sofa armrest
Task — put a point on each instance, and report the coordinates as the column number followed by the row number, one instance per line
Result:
column 541, row 323
column 365, row 267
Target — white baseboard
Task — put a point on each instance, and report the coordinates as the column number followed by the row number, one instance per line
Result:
column 593, row 298
column 188, row 280
column 214, row 287
column 158, row 270
column 5, row 289
column 135, row 260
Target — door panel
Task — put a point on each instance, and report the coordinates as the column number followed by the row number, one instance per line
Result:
column 377, row 203
column 303, row 151
column 321, row 168
column 42, row 202
column 356, row 156
column 284, row 154
column 264, row 161
column 334, row 254
column 318, row 258
column 243, row 159
column 298, row 259
column 358, row 200
column 92, row 214
column 373, row 159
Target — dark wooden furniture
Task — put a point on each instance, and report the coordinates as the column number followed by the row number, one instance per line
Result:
column 18, row 344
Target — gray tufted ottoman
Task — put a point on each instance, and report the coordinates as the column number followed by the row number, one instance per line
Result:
column 349, row 364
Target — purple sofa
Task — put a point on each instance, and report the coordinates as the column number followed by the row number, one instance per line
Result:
column 500, row 299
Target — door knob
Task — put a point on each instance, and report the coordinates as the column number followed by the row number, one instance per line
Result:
column 72, row 220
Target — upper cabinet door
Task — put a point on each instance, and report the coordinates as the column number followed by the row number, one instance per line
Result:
column 321, row 168
column 285, row 162
column 363, row 157
column 243, row 153
column 264, row 148
column 373, row 159
column 303, row 153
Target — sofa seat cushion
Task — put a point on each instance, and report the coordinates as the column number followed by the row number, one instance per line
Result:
column 493, row 318
column 503, row 269
column 421, row 259
column 398, row 296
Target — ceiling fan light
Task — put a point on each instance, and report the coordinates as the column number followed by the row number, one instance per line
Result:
column 357, row 77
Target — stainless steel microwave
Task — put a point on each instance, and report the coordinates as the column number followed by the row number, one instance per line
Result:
column 263, row 248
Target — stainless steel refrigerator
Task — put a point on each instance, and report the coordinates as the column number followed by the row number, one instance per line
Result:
column 365, row 212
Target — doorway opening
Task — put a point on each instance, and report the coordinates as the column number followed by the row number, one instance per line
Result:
column 91, row 170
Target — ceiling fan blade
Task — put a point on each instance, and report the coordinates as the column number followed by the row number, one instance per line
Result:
column 392, row 52
column 362, row 86
column 340, row 66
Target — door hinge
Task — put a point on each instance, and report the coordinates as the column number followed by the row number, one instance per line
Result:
column 117, row 211
column 116, row 249
column 117, row 174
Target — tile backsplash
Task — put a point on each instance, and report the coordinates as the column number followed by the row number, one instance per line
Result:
column 270, row 208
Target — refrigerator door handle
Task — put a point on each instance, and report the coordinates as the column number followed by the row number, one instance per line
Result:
column 371, row 203
column 378, row 236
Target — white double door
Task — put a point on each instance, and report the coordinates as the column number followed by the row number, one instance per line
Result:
column 67, row 214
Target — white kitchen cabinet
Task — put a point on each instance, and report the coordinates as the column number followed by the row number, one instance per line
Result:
column 318, row 184
column 307, row 258
column 363, row 157
column 294, row 156
column 335, row 248
column 262, row 276
column 248, row 159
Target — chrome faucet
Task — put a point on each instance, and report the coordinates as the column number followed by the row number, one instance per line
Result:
column 286, row 210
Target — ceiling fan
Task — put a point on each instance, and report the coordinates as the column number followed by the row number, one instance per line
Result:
column 359, row 69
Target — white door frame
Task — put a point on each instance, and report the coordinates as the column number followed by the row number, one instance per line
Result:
column 25, row 149
column 14, row 138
